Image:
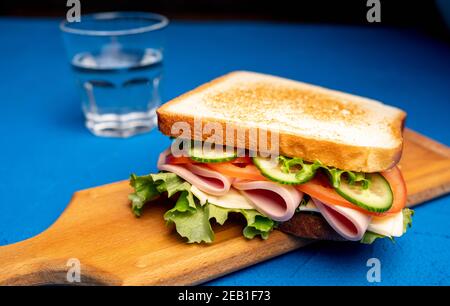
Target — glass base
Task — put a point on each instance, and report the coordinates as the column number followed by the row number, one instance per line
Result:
column 121, row 125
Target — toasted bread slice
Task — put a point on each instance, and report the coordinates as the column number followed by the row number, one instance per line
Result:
column 341, row 130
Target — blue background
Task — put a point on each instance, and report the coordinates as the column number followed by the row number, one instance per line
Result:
column 46, row 153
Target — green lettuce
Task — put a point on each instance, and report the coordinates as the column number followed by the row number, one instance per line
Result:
column 407, row 218
column 192, row 220
column 149, row 187
column 144, row 191
column 369, row 237
column 352, row 177
column 220, row 214
column 191, row 223
column 307, row 171
column 257, row 223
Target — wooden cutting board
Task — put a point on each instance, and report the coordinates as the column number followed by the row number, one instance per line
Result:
column 115, row 248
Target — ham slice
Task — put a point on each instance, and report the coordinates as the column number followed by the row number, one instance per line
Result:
column 276, row 201
column 203, row 178
column 349, row 223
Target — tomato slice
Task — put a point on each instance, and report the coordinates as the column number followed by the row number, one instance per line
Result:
column 395, row 178
column 170, row 159
column 242, row 160
column 320, row 188
column 247, row 171
column 241, row 167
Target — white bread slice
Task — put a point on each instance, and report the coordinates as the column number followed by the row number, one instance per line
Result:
column 341, row 130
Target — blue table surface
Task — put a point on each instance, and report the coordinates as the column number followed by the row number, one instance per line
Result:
column 47, row 154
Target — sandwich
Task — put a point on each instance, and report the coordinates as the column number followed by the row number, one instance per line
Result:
column 278, row 154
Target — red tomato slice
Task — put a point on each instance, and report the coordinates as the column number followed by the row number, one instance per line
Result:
column 248, row 172
column 170, row 159
column 242, row 160
column 395, row 178
column 320, row 189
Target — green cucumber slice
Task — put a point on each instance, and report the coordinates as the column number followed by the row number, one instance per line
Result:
column 377, row 198
column 202, row 155
column 274, row 173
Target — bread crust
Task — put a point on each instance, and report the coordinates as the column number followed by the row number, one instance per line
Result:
column 339, row 155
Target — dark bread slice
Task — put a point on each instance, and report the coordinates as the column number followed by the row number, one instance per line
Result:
column 310, row 225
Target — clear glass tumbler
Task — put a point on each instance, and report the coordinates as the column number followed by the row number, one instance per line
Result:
column 117, row 59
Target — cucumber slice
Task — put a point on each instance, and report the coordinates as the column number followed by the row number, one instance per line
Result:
column 377, row 198
column 202, row 155
column 274, row 173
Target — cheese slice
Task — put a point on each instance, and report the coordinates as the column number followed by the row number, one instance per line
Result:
column 388, row 226
column 232, row 199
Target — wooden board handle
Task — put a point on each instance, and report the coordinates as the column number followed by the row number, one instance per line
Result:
column 23, row 264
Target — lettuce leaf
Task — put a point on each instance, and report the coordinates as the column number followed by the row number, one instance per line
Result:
column 220, row 214
column 149, row 187
column 192, row 220
column 144, row 191
column 191, row 223
column 257, row 223
column 352, row 177
column 407, row 218
column 307, row 171
column 172, row 184
column 369, row 237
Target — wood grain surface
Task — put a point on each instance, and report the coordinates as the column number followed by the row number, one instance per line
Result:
column 114, row 248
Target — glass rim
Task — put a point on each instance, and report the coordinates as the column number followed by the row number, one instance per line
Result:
column 161, row 22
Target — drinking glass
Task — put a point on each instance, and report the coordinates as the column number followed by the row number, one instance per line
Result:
column 117, row 60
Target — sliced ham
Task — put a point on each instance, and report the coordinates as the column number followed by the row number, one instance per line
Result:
column 203, row 178
column 276, row 201
column 349, row 223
